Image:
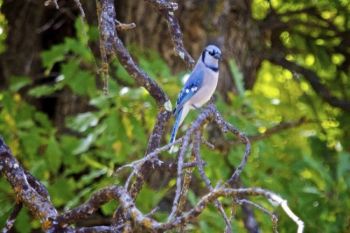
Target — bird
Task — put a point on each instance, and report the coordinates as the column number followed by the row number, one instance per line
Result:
column 199, row 87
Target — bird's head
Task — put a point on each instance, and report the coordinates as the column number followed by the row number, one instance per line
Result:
column 211, row 56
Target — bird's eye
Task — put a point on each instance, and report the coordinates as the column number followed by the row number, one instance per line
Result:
column 212, row 53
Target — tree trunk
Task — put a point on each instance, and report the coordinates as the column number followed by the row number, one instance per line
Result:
column 23, row 43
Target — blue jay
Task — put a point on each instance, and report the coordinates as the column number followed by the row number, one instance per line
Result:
column 199, row 87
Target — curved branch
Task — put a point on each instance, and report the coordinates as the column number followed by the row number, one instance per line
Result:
column 207, row 113
column 34, row 198
column 225, row 126
column 113, row 45
column 229, row 192
column 120, row 194
column 103, row 196
column 218, row 205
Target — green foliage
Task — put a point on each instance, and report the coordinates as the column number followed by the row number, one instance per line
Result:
column 3, row 29
column 308, row 165
column 238, row 77
column 322, row 148
column 302, row 164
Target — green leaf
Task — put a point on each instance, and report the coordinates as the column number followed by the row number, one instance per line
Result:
column 45, row 90
column 43, row 120
column 18, row 82
column 78, row 197
column 138, row 129
column 322, row 57
column 109, row 208
column 237, row 77
column 153, row 198
column 318, row 167
column 101, row 101
column 343, row 168
column 80, row 81
column 62, row 190
column 39, row 168
column 192, row 197
column 22, row 221
column 52, row 56
column 79, row 49
column 53, row 155
column 84, row 145
column 31, row 140
column 93, row 33
column 82, row 29
column 83, row 121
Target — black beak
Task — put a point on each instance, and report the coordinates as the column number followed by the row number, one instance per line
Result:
column 217, row 56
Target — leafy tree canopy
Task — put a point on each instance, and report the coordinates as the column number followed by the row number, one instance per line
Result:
column 300, row 138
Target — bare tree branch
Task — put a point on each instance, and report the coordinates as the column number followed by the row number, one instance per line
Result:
column 32, row 197
column 273, row 217
column 124, row 26
column 113, row 45
column 218, row 205
column 166, row 9
column 80, row 7
column 52, row 2
column 103, row 229
column 225, row 126
column 228, row 192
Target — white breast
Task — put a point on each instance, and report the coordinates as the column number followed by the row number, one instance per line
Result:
column 210, row 81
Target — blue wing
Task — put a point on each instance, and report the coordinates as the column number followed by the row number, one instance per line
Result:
column 191, row 87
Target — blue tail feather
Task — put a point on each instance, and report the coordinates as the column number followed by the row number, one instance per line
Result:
column 176, row 126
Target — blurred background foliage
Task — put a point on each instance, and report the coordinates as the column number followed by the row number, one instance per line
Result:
column 307, row 162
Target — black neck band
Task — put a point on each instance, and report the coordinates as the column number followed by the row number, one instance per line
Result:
column 215, row 69
column 203, row 56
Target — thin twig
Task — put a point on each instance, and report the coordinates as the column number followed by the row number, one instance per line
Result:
column 12, row 218
column 166, row 9
column 226, row 192
column 264, row 210
column 124, row 26
column 180, row 162
column 150, row 156
column 197, row 124
column 152, row 212
column 207, row 143
column 218, row 205
column 225, row 126
column 80, row 7
column 53, row 2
